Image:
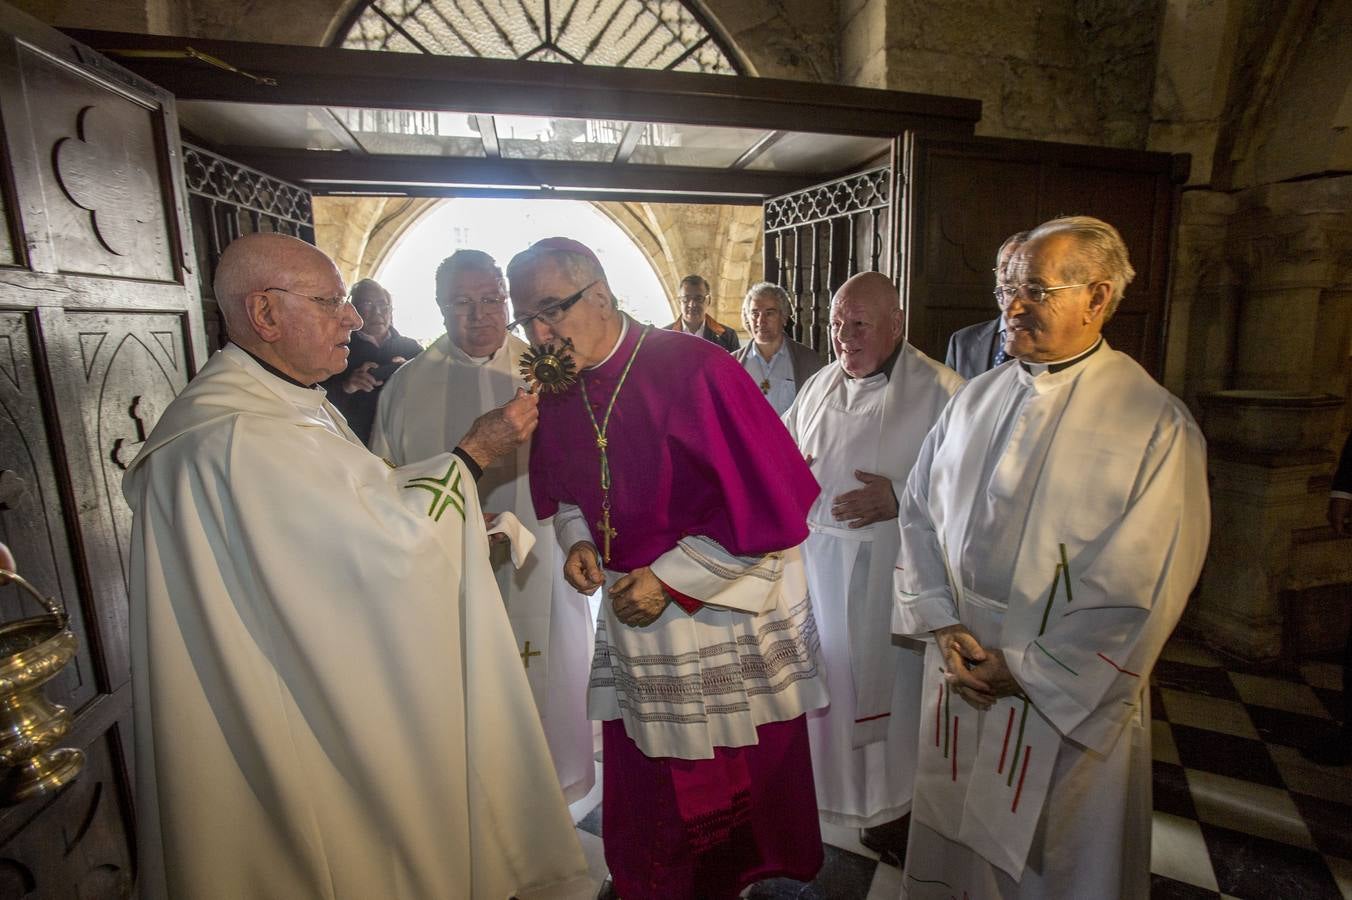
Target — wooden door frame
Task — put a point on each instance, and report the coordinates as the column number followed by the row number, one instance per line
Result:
column 335, row 77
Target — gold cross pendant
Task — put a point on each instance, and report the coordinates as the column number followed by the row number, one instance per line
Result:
column 765, row 386
column 606, row 534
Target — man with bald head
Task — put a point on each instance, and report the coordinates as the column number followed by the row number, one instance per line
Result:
column 1052, row 529
column 307, row 623
column 861, row 421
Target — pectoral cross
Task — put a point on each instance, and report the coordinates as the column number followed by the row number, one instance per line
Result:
column 603, row 526
column 527, row 653
column 765, row 386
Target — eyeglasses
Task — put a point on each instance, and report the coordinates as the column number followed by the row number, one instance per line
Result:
column 330, row 304
column 694, row 298
column 554, row 313
column 1033, row 293
column 489, row 305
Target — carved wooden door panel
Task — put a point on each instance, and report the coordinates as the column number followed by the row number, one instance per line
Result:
column 970, row 195
column 100, row 326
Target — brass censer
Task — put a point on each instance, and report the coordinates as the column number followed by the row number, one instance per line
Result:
column 32, row 651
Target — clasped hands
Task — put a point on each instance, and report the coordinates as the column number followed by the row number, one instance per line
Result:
column 637, row 598
column 980, row 676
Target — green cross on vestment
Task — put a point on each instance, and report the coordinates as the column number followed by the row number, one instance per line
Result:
column 527, row 653
column 445, row 492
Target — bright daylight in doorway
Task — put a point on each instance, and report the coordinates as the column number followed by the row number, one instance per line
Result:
column 503, row 228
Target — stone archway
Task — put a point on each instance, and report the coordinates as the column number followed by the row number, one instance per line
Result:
column 722, row 243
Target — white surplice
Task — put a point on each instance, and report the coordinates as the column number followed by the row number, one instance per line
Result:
column 863, row 745
column 755, row 624
column 426, row 408
column 304, row 623
column 1063, row 517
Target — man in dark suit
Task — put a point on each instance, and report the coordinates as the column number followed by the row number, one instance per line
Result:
column 374, row 353
column 1336, row 748
column 976, row 348
column 693, row 299
column 778, row 364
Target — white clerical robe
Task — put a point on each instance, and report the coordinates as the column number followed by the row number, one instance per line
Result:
column 427, row 407
column 1063, row 518
column 863, row 745
column 305, row 621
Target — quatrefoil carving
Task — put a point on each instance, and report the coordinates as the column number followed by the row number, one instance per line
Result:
column 96, row 171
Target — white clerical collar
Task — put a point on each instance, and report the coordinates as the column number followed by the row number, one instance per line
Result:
column 454, row 351
column 624, row 329
column 1058, row 365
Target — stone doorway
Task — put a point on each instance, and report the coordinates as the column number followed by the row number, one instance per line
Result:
column 659, row 243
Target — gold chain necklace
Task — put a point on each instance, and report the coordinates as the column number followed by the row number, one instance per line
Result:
column 603, row 524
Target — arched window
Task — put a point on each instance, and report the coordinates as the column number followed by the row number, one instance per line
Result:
column 638, row 34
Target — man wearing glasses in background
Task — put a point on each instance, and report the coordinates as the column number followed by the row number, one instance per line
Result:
column 426, row 406
column 319, row 656
column 976, row 348
column 693, row 300
column 376, row 351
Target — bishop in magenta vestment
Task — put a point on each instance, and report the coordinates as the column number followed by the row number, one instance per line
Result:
column 707, row 769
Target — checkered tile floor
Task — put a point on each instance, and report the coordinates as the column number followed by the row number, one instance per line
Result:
column 1239, row 813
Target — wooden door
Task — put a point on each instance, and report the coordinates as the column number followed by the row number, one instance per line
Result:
column 969, row 195
column 100, row 326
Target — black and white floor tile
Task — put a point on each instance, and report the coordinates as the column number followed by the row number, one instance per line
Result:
column 1239, row 813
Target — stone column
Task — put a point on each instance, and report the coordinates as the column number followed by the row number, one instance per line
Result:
column 1267, row 455
column 1274, row 570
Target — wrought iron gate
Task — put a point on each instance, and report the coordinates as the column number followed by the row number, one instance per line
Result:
column 227, row 199
column 818, row 237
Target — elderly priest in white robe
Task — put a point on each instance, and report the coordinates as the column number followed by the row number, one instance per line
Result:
column 426, row 406
column 1052, row 530
column 862, row 420
column 306, row 627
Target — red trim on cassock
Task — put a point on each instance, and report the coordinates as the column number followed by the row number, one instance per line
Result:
column 689, row 604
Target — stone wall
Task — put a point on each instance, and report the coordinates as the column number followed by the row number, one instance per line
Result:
column 1079, row 71
column 1261, row 323
column 773, row 38
column 780, row 38
column 1274, row 275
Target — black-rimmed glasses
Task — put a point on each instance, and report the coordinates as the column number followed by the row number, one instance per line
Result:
column 554, row 313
